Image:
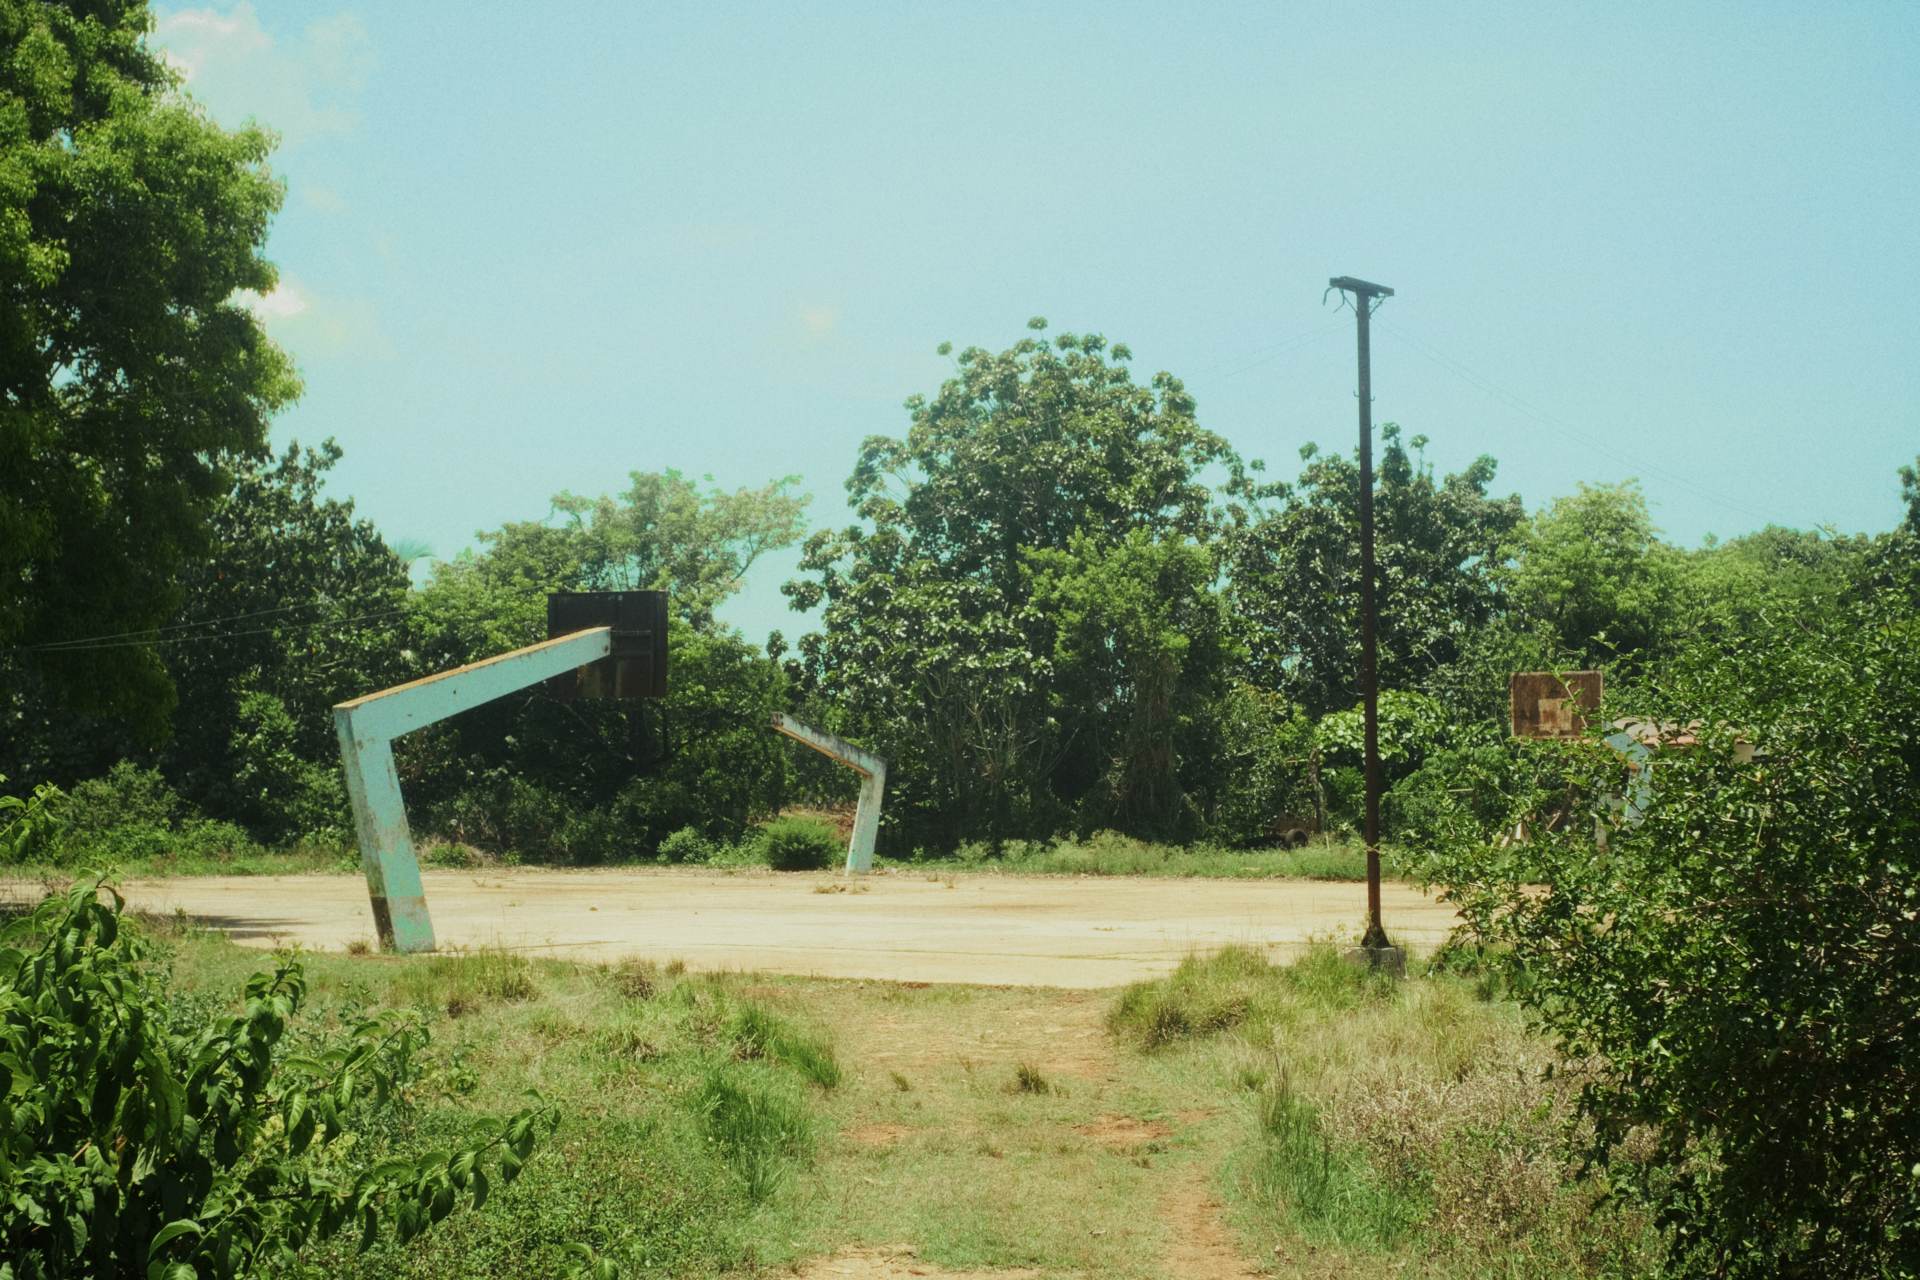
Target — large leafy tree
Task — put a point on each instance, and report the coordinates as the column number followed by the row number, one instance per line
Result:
column 932, row 641
column 303, row 607
column 1141, row 654
column 1296, row 572
column 593, row 780
column 131, row 373
column 1592, row 569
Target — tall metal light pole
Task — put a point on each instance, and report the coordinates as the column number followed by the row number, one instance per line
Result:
column 1366, row 297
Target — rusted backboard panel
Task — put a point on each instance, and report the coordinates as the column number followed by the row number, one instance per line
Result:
column 1549, row 704
column 636, row 666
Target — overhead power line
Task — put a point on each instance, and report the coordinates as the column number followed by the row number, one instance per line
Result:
column 1528, row 409
column 204, row 637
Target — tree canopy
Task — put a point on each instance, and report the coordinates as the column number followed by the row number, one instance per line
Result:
column 131, row 371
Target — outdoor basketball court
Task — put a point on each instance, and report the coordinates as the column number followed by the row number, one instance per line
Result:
column 910, row 926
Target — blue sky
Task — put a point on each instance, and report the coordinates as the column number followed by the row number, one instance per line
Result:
column 533, row 248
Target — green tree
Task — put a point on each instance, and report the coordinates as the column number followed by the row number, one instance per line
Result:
column 1592, row 569
column 131, row 373
column 1729, row 588
column 1296, row 572
column 594, row 781
column 1737, row 973
column 931, row 641
column 304, row 607
column 1140, row 661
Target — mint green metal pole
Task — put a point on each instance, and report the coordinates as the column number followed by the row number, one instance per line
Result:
column 367, row 727
column 873, row 783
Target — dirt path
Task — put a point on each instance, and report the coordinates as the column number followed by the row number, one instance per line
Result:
column 1004, row 1135
column 1015, row 930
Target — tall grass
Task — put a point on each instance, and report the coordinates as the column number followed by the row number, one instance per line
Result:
column 1382, row 1117
column 761, row 1130
column 1328, row 1191
column 759, row 1033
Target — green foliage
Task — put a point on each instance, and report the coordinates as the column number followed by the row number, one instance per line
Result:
column 797, row 844
column 131, row 372
column 29, row 823
column 933, row 642
column 1592, row 569
column 1140, row 657
column 1265, row 765
column 1738, row 971
column 686, row 845
column 135, row 1143
column 132, row 815
column 1296, row 574
column 317, row 597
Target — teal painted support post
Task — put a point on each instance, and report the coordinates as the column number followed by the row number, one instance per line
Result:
column 386, row 846
column 367, row 727
column 873, row 784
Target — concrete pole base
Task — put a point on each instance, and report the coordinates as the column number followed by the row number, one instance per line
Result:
column 1388, row 958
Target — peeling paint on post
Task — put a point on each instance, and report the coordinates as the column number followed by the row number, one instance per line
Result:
column 873, row 784
column 367, row 727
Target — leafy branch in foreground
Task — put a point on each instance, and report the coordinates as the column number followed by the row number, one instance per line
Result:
column 131, row 1147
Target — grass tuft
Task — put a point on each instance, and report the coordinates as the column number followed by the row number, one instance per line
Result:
column 1028, row 1079
column 461, row 984
column 759, row 1033
column 761, row 1131
column 636, row 979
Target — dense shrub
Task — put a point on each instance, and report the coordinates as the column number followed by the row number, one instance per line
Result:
column 134, row 1142
column 686, row 845
column 1739, row 971
column 133, row 815
column 797, row 844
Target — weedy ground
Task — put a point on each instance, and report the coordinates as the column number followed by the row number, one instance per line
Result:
column 1234, row 1119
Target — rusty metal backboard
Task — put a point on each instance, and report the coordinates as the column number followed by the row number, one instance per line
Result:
column 1549, row 704
column 636, row 665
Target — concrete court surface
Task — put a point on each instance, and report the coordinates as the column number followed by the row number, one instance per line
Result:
column 910, row 926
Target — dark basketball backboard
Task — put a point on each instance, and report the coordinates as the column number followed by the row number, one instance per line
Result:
column 636, row 666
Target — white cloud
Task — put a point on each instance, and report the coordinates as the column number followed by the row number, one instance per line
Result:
column 310, row 325
column 283, row 303
column 301, row 88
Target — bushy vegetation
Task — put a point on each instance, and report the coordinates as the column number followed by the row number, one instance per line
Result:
column 1389, row 1122
column 796, row 844
column 141, row 1136
column 1734, row 970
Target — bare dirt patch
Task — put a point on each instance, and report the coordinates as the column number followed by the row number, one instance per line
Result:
column 896, row 1262
column 1124, row 1131
column 1198, row 1245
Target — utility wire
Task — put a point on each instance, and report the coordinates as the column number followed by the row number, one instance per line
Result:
column 316, row 624
column 1272, row 351
column 90, row 641
column 1531, row 410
